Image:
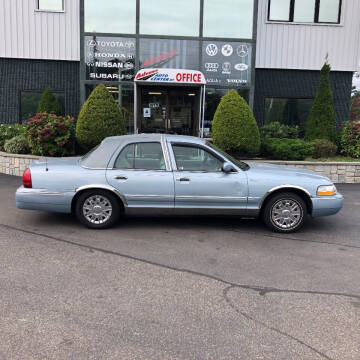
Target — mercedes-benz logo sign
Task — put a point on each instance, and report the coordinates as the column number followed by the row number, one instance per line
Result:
column 242, row 50
column 211, row 49
column 227, row 50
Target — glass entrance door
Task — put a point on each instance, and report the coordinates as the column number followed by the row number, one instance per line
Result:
column 168, row 110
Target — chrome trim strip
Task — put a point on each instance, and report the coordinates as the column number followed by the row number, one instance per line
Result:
column 150, row 196
column 31, row 191
column 96, row 186
column 242, row 198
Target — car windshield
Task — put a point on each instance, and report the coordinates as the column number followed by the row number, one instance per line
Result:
column 242, row 165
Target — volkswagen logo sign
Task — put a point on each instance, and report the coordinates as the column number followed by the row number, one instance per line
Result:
column 242, row 50
column 227, row 50
column 211, row 49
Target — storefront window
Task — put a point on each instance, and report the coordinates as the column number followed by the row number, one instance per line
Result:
column 110, row 16
column 51, row 5
column 290, row 112
column 329, row 11
column 110, row 58
column 124, row 97
column 235, row 17
column 304, row 11
column 159, row 17
column 279, row 10
column 166, row 53
column 227, row 63
column 30, row 102
column 212, row 100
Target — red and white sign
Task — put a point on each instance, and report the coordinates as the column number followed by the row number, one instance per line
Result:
column 171, row 76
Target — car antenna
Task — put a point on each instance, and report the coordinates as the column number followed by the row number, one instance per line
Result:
column 46, row 167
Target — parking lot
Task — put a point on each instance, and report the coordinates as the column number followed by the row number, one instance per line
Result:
column 178, row 288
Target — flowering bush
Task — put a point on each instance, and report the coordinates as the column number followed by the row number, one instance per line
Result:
column 350, row 139
column 8, row 132
column 49, row 134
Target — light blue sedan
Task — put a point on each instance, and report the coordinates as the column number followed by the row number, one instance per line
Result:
column 170, row 174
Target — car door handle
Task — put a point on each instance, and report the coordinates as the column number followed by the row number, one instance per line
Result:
column 120, row 178
column 183, row 179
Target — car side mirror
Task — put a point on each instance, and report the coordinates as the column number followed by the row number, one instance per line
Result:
column 227, row 168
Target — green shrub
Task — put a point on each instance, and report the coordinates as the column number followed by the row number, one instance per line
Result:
column 350, row 139
column 321, row 123
column 17, row 145
column 280, row 131
column 99, row 118
column 234, row 128
column 288, row 149
column 52, row 135
column 9, row 131
column 48, row 103
column 324, row 149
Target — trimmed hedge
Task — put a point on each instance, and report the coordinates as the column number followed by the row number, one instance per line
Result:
column 288, row 149
column 48, row 104
column 321, row 123
column 234, row 127
column 99, row 118
column 280, row 131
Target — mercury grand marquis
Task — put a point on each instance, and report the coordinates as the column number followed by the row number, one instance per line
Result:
column 172, row 174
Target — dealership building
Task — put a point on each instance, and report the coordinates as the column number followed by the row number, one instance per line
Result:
column 167, row 63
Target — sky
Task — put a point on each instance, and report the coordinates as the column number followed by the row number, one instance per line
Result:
column 356, row 81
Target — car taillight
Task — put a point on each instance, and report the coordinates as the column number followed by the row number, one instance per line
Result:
column 27, row 178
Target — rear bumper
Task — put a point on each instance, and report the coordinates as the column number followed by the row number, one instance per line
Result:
column 325, row 206
column 43, row 199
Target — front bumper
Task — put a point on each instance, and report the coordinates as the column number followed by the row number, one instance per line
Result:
column 327, row 205
column 43, row 199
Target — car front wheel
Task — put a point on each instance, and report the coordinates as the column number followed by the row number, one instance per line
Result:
column 97, row 209
column 285, row 212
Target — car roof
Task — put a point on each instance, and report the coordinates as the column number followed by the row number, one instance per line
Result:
column 153, row 137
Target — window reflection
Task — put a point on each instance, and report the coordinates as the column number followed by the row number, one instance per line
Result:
column 160, row 17
column 329, row 11
column 235, row 16
column 53, row 5
column 304, row 11
column 110, row 16
column 279, row 10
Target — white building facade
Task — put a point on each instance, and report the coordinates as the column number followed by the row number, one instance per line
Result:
column 270, row 51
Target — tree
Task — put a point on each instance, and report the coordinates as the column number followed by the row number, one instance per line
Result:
column 355, row 108
column 234, row 127
column 48, row 103
column 99, row 118
column 321, row 123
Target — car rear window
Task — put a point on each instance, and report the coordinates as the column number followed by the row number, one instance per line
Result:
column 99, row 157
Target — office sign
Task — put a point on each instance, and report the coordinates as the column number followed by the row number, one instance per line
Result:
column 110, row 58
column 171, row 76
column 227, row 63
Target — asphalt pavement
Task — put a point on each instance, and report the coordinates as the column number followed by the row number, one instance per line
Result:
column 178, row 288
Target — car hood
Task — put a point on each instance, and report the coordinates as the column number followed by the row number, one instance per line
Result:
column 282, row 170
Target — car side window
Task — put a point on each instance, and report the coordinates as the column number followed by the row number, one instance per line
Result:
column 193, row 158
column 141, row 156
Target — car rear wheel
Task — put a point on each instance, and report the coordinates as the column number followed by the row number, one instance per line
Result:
column 285, row 212
column 97, row 209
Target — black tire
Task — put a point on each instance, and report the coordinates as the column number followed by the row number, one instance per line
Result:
column 106, row 217
column 284, row 212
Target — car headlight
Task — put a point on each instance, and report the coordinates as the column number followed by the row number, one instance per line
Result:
column 326, row 190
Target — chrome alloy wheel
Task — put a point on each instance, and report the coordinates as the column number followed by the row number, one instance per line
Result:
column 286, row 214
column 97, row 209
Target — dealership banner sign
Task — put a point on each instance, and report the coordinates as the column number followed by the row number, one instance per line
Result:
column 110, row 58
column 227, row 63
column 171, row 76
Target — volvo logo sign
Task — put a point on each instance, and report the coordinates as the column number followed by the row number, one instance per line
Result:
column 211, row 49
